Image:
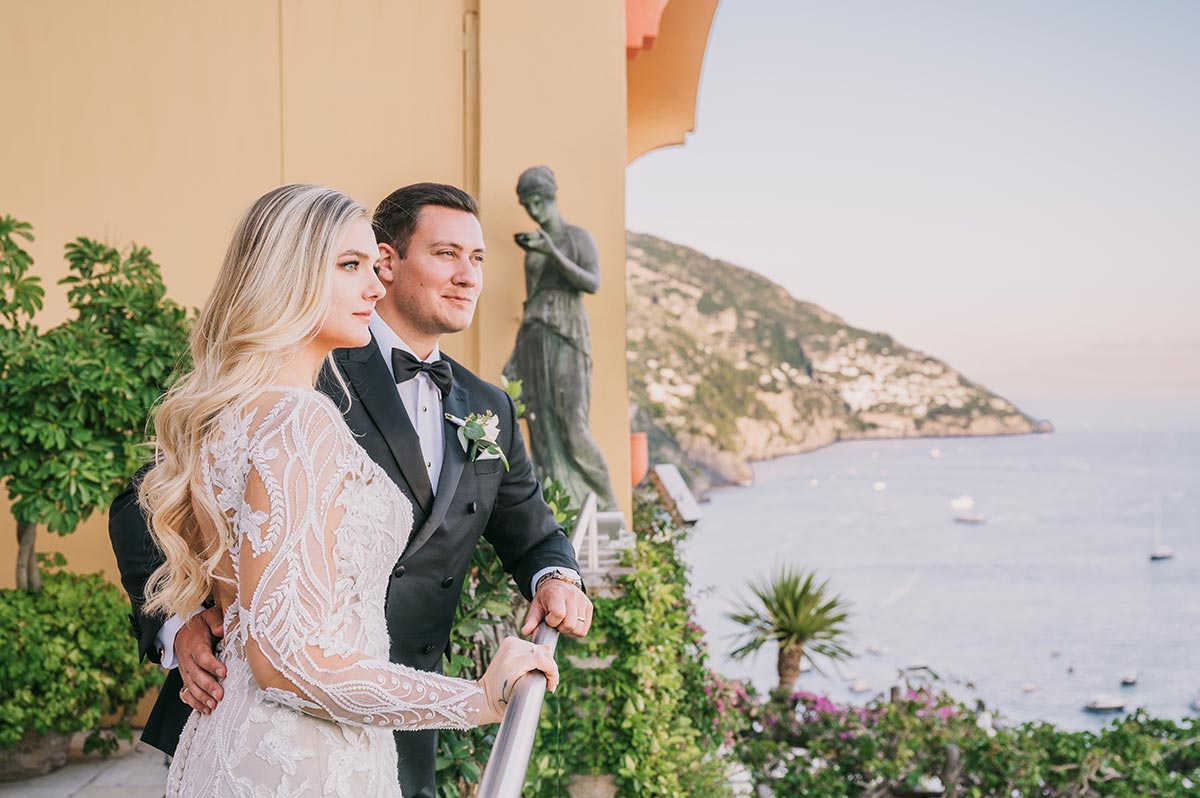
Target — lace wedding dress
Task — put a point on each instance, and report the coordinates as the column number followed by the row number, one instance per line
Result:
column 315, row 527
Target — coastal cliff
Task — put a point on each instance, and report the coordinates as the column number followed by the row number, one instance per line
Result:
column 726, row 367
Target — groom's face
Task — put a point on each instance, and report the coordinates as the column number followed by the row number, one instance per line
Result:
column 436, row 284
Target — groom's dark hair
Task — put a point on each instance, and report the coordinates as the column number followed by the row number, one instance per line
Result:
column 395, row 218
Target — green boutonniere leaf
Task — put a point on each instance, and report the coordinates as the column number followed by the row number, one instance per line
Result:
column 474, row 432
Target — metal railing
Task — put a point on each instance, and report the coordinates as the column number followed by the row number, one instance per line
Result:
column 504, row 775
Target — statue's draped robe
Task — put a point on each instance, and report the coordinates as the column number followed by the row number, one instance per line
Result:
column 553, row 360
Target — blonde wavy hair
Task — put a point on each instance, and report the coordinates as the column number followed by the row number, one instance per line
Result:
column 269, row 300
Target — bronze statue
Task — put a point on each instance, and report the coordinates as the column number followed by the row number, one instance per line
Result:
column 553, row 353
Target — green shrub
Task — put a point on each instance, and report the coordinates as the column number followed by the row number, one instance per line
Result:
column 656, row 717
column 809, row 745
column 67, row 662
column 73, row 405
column 74, row 398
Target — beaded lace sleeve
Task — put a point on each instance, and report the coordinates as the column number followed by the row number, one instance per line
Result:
column 297, row 581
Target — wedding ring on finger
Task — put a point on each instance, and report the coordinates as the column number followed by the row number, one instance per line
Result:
column 183, row 694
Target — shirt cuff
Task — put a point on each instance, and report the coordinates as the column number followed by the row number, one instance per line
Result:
column 544, row 571
column 166, row 639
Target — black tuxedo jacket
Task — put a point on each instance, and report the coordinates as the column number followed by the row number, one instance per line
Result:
column 473, row 499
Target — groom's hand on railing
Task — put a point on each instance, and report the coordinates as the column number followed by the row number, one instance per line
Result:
column 198, row 665
column 562, row 606
column 514, row 659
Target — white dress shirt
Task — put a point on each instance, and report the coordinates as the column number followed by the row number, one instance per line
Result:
column 421, row 398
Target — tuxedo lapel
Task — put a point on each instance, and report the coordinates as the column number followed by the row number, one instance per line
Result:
column 375, row 390
column 454, row 460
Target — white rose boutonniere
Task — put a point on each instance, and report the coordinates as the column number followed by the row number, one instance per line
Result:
column 478, row 434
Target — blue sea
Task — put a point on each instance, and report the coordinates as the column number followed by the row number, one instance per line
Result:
column 1046, row 605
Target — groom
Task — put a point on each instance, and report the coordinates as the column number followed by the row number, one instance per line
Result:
column 402, row 389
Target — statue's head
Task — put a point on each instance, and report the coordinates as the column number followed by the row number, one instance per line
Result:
column 537, row 190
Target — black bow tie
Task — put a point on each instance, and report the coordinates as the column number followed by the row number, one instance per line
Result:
column 406, row 366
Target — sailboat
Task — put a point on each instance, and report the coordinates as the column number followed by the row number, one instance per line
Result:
column 1160, row 551
column 965, row 506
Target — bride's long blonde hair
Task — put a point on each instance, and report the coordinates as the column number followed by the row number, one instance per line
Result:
column 269, row 300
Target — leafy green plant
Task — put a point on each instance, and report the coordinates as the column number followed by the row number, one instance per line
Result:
column 654, row 716
column 67, row 663
column 805, row 744
column 21, row 294
column 74, row 398
column 513, row 388
column 798, row 614
column 555, row 494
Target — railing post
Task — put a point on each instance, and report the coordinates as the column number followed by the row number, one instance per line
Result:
column 593, row 533
column 585, row 526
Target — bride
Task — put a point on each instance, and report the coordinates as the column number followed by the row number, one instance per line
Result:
column 262, row 500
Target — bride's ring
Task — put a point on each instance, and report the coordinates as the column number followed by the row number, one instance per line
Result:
column 182, row 693
column 581, row 619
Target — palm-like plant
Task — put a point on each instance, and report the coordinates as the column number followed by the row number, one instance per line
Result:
column 798, row 613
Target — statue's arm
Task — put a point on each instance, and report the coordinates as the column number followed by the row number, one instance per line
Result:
column 584, row 275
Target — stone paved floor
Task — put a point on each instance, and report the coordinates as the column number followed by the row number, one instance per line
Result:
column 135, row 771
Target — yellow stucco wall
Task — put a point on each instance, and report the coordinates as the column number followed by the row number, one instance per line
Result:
column 159, row 122
column 558, row 100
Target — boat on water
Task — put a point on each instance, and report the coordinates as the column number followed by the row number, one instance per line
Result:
column 965, row 507
column 1105, row 703
column 935, row 453
column 1129, row 679
column 1161, row 550
column 860, row 686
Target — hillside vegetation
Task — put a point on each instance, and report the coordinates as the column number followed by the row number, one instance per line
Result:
column 726, row 367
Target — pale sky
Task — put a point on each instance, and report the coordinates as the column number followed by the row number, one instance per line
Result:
column 1013, row 187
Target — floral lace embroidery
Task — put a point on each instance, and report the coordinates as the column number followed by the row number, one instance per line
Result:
column 323, row 523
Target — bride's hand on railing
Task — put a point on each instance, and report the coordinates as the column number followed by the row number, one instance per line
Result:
column 514, row 659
